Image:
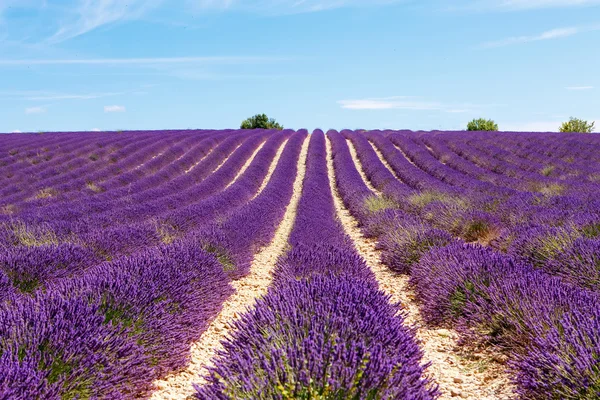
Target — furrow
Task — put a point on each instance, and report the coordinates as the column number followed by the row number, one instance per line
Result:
column 246, row 165
column 449, row 367
column 354, row 156
column 248, row 289
column 384, row 161
column 271, row 170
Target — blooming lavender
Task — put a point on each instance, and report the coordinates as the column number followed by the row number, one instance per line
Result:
column 327, row 337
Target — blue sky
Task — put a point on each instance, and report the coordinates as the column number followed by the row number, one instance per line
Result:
column 414, row 64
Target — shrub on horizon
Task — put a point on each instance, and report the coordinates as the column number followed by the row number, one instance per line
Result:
column 577, row 125
column 482, row 124
column 260, row 121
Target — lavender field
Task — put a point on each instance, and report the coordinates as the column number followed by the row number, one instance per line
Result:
column 264, row 264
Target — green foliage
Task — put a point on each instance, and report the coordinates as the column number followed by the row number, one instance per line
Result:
column 260, row 121
column 458, row 299
column 377, row 203
column 482, row 124
column 577, row 125
column 221, row 256
column 546, row 171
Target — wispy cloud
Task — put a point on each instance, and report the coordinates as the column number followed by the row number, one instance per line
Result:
column 579, row 87
column 278, row 7
column 517, row 5
column 87, row 96
column 95, row 130
column 89, row 15
column 74, row 18
column 147, row 61
column 112, row 109
column 93, row 14
column 547, row 35
column 401, row 103
column 40, row 95
column 35, row 110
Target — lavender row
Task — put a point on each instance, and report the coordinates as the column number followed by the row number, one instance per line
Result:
column 548, row 328
column 69, row 221
column 20, row 167
column 27, row 152
column 52, row 161
column 89, row 183
column 558, row 235
column 474, row 288
column 402, row 237
column 128, row 157
column 508, row 223
column 163, row 220
column 110, row 332
column 323, row 329
column 242, row 232
column 150, row 330
column 117, row 240
column 419, row 155
column 173, row 179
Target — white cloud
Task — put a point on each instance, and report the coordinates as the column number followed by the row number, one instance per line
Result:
column 548, row 35
column 401, row 103
column 95, row 130
column 110, row 109
column 278, row 7
column 88, row 15
column 74, row 18
column 579, row 87
column 17, row 131
column 66, row 96
column 517, row 5
column 35, row 110
column 92, row 14
column 147, row 61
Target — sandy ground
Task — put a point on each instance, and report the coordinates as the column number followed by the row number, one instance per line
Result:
column 246, row 165
column 403, row 153
column 219, row 166
column 248, row 289
column 458, row 374
column 383, row 160
column 271, row 169
column 153, row 157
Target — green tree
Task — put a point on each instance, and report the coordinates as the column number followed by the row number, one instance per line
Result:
column 482, row 124
column 260, row 121
column 577, row 125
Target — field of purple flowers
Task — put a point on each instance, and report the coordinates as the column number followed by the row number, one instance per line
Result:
column 119, row 249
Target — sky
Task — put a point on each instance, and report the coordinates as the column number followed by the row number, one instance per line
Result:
column 83, row 65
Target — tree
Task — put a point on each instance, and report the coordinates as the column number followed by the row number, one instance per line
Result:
column 577, row 125
column 260, row 121
column 482, row 124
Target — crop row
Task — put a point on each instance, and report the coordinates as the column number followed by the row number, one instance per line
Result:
column 323, row 330
column 118, row 249
column 532, row 294
column 75, row 326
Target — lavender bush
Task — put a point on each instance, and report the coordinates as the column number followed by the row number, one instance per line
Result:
column 327, row 337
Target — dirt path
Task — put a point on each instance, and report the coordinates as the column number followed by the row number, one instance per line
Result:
column 246, row 165
column 271, row 169
column 456, row 376
column 219, row 166
column 354, row 155
column 248, row 289
column 384, row 161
